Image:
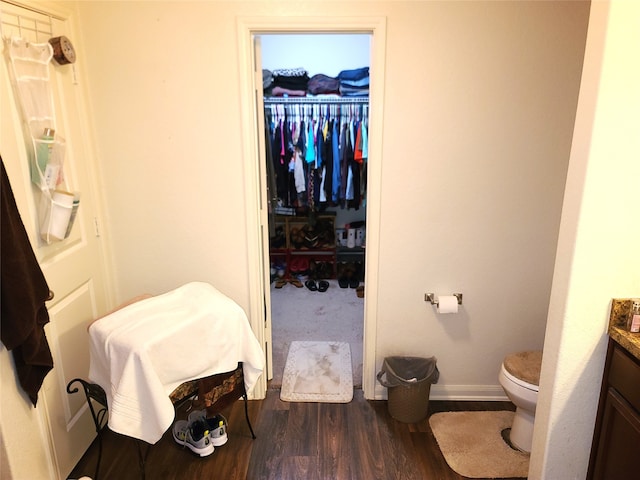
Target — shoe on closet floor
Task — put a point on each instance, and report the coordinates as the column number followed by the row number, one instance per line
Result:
column 217, row 426
column 194, row 435
column 296, row 283
column 343, row 275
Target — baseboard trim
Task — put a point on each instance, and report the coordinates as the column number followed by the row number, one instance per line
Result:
column 482, row 393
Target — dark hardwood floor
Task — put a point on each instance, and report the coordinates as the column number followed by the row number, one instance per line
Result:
column 302, row 441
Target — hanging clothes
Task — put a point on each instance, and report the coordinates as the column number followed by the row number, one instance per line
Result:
column 272, row 189
column 344, row 163
column 318, row 152
column 335, row 149
column 279, row 163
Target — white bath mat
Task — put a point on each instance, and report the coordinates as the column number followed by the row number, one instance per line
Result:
column 318, row 372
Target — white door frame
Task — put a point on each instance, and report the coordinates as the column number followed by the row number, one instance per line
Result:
column 250, row 100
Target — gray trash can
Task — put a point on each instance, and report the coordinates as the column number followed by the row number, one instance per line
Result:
column 408, row 380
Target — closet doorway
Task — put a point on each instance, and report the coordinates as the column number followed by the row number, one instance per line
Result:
column 316, row 164
column 250, row 30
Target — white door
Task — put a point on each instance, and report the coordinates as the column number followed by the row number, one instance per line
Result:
column 264, row 206
column 75, row 267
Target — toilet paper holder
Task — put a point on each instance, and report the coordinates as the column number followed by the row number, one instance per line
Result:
column 431, row 298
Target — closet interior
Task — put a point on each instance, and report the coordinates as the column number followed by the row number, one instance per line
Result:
column 316, row 122
column 317, row 157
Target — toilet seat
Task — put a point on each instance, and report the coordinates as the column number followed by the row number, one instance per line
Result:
column 519, row 381
column 524, row 366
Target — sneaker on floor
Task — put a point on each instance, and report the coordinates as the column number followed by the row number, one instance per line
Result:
column 218, row 430
column 217, row 426
column 194, row 435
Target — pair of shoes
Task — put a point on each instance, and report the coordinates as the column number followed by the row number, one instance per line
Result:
column 296, row 236
column 348, row 282
column 321, row 269
column 344, row 274
column 326, row 234
column 217, row 426
column 281, row 269
column 349, row 274
column 194, row 435
column 310, row 238
column 299, row 265
column 295, row 282
column 278, row 240
column 321, row 286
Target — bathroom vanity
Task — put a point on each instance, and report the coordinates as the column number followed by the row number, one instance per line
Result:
column 616, row 439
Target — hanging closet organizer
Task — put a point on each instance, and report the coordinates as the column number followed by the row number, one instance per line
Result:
column 58, row 205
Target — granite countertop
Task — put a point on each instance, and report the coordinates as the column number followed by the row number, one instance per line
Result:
column 620, row 311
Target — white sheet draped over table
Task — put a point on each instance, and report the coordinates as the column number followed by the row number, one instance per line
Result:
column 141, row 353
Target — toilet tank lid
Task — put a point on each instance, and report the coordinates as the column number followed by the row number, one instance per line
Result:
column 525, row 366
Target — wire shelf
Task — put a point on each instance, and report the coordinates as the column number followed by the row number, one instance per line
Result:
column 316, row 100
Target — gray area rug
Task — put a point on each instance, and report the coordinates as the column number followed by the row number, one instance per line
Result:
column 301, row 315
column 318, row 372
column 472, row 444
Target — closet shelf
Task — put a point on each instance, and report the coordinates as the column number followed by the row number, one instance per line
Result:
column 295, row 230
column 347, row 250
column 316, row 100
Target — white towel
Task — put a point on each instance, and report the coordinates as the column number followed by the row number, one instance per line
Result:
column 141, row 353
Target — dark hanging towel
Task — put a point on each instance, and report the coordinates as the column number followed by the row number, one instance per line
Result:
column 24, row 293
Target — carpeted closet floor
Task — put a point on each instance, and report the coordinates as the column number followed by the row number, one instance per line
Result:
column 301, row 314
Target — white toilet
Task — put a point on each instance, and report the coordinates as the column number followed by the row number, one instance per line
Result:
column 520, row 377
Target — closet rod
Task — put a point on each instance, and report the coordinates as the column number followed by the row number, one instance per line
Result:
column 316, row 100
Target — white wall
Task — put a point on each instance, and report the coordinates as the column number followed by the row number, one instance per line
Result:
column 477, row 131
column 597, row 256
column 328, row 54
column 477, row 135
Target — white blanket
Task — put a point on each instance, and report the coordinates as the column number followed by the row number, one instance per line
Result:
column 141, row 353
